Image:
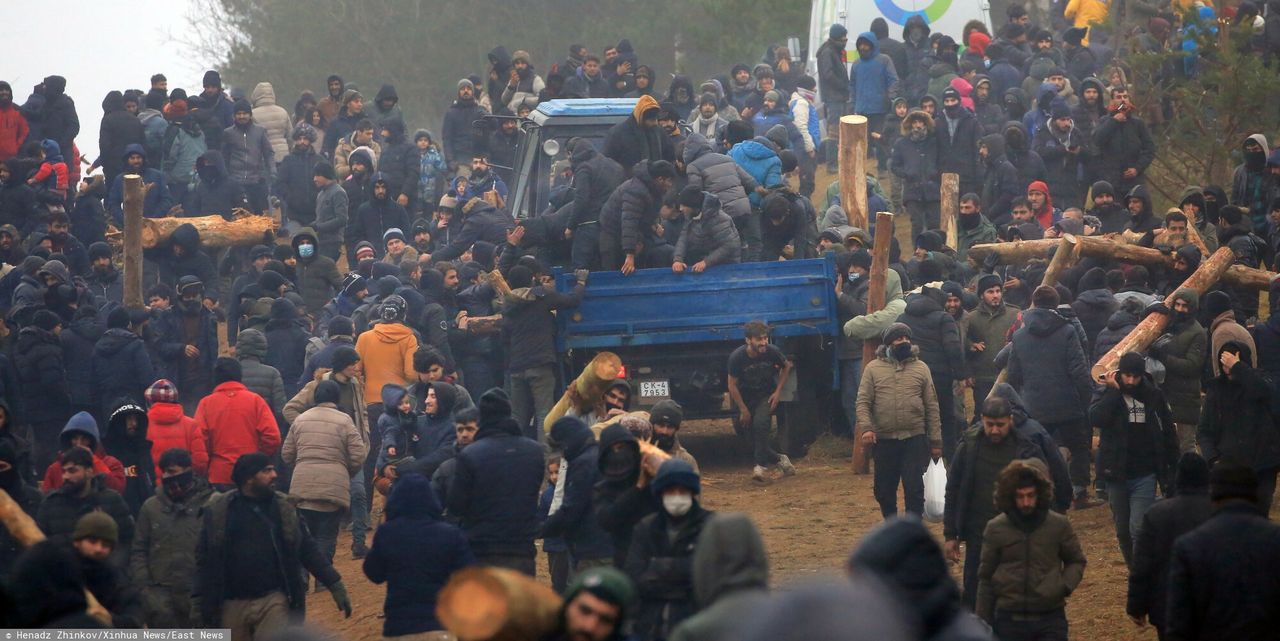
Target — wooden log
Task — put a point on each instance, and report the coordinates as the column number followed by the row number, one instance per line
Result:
column 853, row 169
column 588, row 389
column 1061, row 260
column 484, row 324
column 215, row 231
column 134, row 195
column 497, row 604
column 1154, row 325
column 1021, row 251
column 1193, row 236
column 499, row 283
column 875, row 302
column 24, row 530
column 950, row 208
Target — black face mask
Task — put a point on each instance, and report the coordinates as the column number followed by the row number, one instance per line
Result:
column 901, row 352
column 177, row 486
column 1255, row 160
column 664, row 442
column 952, row 110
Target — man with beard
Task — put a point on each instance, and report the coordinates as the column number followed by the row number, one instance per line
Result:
column 213, row 110
column 121, row 366
column 11, row 251
column 522, row 82
column 376, row 217
column 757, row 372
column 13, row 127
column 163, row 558
column 189, row 342
column 95, row 541
column 126, row 440
column 104, row 280
column 1112, row 215
column 1124, row 145
column 294, row 182
column 1138, row 447
column 251, row 160
column 665, row 417
column 461, row 140
column 974, row 227
column 482, row 181
column 1027, row 545
column 253, row 557
column 595, row 607
column 82, row 492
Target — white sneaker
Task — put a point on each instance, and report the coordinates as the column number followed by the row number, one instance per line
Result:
column 758, row 474
column 784, row 464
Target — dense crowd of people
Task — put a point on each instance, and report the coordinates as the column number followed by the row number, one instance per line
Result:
column 183, row 487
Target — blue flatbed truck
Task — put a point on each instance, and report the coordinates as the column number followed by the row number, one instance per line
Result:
column 674, row 332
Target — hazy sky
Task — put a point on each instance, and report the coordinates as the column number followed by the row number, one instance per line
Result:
column 105, row 45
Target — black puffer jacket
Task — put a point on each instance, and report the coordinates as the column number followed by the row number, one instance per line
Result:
column 632, row 210
column 1236, row 422
column 376, row 215
column 216, row 193
column 915, row 162
column 295, row 186
column 660, row 562
column 936, row 334
column 133, row 451
column 958, row 152
column 1048, row 367
column 718, row 174
column 1094, row 308
column 618, row 503
column 37, row 358
column 286, row 343
column 1122, row 321
column 594, row 179
column 1000, row 182
column 574, row 520
column 78, row 340
column 461, row 140
column 710, row 236
column 122, row 368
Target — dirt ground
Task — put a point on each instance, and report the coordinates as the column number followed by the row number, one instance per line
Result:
column 810, row 523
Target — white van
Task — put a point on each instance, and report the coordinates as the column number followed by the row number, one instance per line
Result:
column 945, row 16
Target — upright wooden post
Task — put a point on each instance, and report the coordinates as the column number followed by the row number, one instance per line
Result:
column 134, row 194
column 950, row 208
column 875, row 302
column 1151, row 327
column 1061, row 259
column 853, row 169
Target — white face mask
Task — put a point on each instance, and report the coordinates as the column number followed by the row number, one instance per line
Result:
column 677, row 505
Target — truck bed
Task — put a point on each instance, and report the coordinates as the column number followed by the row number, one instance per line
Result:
column 659, row 307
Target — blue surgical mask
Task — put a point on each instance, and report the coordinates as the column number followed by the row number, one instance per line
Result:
column 306, row 251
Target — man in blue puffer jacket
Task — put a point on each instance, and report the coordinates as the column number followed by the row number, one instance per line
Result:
column 873, row 81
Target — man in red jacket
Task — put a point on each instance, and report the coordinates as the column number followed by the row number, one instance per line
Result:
column 233, row 421
column 13, row 127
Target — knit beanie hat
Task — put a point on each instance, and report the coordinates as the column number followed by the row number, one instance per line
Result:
column 691, row 196
column 341, row 326
column 345, row 357
column 226, row 370
column 676, row 473
column 1133, row 363
column 247, row 466
column 99, row 250
column 1193, row 472
column 394, row 232
column 212, row 79
column 893, row 332
column 1216, row 302
column 987, row 282
column 364, row 249
column 161, row 391
column 243, row 106
column 837, row 32
column 608, row 584
column 97, row 525
column 325, row 170
column 860, row 258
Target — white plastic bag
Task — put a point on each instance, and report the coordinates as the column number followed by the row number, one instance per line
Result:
column 935, row 491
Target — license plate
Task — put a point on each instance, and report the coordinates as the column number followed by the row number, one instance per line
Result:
column 655, row 389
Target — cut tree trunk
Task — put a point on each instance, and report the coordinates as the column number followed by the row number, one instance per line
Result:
column 134, row 195
column 853, row 169
column 1021, row 251
column 215, row 231
column 1154, row 324
column 950, row 208
column 875, row 302
column 1062, row 258
column 497, row 604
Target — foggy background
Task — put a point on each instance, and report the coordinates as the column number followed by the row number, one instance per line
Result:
column 102, row 45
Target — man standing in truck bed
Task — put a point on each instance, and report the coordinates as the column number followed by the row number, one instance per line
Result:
column 757, row 372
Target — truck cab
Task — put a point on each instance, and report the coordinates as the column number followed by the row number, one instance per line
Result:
column 542, row 161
